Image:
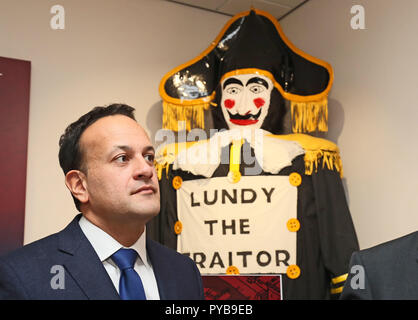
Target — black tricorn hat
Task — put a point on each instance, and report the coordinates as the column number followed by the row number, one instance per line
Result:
column 250, row 42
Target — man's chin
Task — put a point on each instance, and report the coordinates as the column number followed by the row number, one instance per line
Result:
column 147, row 212
column 148, row 205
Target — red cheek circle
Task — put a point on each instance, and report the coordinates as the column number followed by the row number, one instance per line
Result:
column 259, row 102
column 229, row 103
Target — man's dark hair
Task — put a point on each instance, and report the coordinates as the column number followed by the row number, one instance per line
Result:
column 70, row 155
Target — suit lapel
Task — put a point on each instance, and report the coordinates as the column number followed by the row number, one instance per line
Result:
column 161, row 267
column 83, row 264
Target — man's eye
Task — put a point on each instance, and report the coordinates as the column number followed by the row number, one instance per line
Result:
column 122, row 158
column 233, row 90
column 256, row 88
column 149, row 157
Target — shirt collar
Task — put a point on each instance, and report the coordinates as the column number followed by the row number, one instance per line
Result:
column 105, row 245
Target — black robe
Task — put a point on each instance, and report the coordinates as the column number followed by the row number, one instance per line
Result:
column 326, row 238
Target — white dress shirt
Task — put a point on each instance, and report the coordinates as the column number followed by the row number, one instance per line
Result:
column 105, row 246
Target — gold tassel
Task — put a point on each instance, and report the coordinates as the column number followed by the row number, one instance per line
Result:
column 159, row 168
column 166, row 155
column 316, row 150
column 309, row 116
column 331, row 159
column 160, row 165
column 192, row 115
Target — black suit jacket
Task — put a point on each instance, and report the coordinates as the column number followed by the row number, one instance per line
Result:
column 390, row 271
column 27, row 272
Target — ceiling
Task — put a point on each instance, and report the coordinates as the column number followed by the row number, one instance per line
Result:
column 277, row 8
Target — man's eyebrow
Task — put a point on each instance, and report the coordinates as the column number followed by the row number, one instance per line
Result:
column 149, row 148
column 130, row 149
column 124, row 148
column 259, row 81
column 231, row 80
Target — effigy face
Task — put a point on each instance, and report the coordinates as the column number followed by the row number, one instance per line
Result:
column 246, row 100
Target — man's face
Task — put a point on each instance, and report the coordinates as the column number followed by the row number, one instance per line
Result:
column 121, row 181
column 246, row 100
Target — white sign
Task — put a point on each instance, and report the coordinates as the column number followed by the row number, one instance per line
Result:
column 241, row 224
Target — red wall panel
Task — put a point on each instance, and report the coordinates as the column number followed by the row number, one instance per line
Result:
column 14, row 119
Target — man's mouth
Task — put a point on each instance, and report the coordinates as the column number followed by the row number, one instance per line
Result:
column 146, row 189
column 244, row 120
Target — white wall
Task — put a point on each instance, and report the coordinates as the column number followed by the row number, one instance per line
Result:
column 373, row 106
column 110, row 51
column 118, row 50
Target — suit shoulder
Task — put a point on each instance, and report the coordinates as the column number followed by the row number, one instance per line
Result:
column 167, row 253
column 388, row 250
column 33, row 250
column 163, row 249
column 22, row 267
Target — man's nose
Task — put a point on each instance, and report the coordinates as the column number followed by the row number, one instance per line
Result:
column 143, row 169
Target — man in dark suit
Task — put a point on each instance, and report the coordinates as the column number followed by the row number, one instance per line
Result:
column 388, row 271
column 108, row 162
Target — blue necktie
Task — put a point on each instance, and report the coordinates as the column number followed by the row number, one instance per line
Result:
column 130, row 284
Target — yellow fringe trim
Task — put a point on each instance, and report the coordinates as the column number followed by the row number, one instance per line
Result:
column 160, row 167
column 167, row 154
column 192, row 115
column 329, row 158
column 309, row 116
column 316, row 149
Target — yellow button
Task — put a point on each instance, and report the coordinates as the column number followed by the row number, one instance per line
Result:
column 234, row 176
column 293, row 271
column 295, row 179
column 232, row 270
column 177, row 182
column 293, row 225
column 178, row 227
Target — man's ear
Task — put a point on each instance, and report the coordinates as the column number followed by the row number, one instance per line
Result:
column 75, row 181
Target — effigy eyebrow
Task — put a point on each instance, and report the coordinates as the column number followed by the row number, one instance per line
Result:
column 259, row 81
column 231, row 80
